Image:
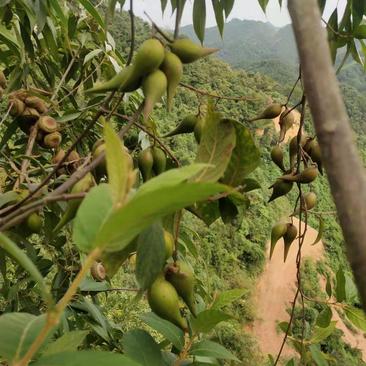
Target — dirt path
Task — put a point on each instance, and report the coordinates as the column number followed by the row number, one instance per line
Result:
column 275, row 291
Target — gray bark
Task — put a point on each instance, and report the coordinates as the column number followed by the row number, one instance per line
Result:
column 340, row 157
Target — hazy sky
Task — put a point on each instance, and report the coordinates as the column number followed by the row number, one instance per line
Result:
column 243, row 9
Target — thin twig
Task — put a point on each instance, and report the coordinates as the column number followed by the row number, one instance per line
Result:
column 28, row 153
column 166, row 37
column 24, row 211
column 62, row 80
column 132, row 45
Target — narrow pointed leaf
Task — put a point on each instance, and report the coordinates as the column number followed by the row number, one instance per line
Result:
column 117, row 165
column 199, row 18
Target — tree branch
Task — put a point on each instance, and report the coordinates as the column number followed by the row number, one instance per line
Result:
column 340, row 157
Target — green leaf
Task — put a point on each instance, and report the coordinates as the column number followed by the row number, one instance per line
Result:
column 89, row 285
column 358, row 10
column 263, row 4
column 291, row 362
column 89, row 7
column 8, row 197
column 17, row 333
column 23, row 260
column 211, row 349
column 324, row 318
column 219, row 15
column 360, row 32
column 216, row 146
column 150, row 255
column 8, row 38
column 68, row 342
column 199, row 18
column 141, row 347
column 328, row 286
column 319, row 333
column 117, row 165
column 341, row 285
column 207, row 211
column 89, row 56
column 170, row 331
column 85, row 358
column 61, row 14
column 208, row 319
column 356, row 316
column 227, row 297
column 163, row 5
column 284, row 326
column 318, row 356
column 228, row 6
column 159, row 198
column 320, row 231
column 92, row 213
column 250, row 185
column 321, row 5
column 244, row 159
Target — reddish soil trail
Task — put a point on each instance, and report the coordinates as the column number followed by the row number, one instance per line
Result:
column 275, row 291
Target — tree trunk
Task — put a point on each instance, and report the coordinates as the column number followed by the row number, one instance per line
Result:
column 341, row 160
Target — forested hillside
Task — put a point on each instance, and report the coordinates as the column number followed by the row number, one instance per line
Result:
column 234, row 258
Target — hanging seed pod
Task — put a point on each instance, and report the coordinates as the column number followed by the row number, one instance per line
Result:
column 145, row 162
column 154, row 86
column 37, row 103
column 98, row 272
column 83, row 185
column 277, row 157
column 288, row 239
column 164, row 302
column 293, row 150
column 34, row 223
column 189, row 51
column 272, row 111
column 56, row 159
column 310, row 200
column 19, row 94
column 30, row 115
column 169, row 244
column 278, row 231
column 159, row 157
column 187, row 125
column 198, row 129
column 47, row 124
column 52, row 140
column 280, row 188
column 315, row 154
column 173, row 70
column 181, row 276
column 16, row 107
column 287, row 119
column 306, row 176
column 74, row 161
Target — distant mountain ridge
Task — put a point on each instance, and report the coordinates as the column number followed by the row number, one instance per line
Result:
column 261, row 47
column 247, row 41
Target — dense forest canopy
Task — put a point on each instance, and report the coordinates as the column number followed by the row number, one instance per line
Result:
column 147, row 178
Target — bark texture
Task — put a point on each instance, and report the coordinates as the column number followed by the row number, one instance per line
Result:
column 340, row 157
